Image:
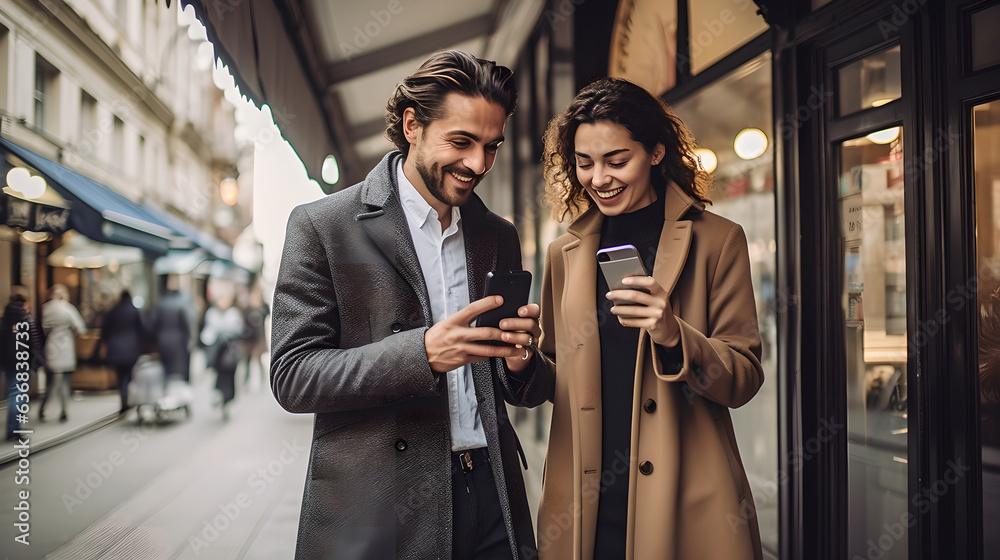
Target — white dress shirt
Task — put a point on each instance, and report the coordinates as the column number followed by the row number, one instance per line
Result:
column 442, row 261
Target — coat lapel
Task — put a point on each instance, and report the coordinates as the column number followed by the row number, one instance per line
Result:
column 385, row 224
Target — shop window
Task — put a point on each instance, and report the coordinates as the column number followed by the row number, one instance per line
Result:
column 46, row 95
column 870, row 82
column 739, row 105
column 644, row 46
column 719, row 27
column 873, row 298
column 88, row 133
column 118, row 143
column 986, row 138
column 984, row 38
column 4, row 78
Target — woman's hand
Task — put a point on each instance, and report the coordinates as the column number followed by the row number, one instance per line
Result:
column 651, row 312
column 523, row 333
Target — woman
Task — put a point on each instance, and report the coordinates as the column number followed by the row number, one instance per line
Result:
column 61, row 322
column 222, row 335
column 122, row 332
column 642, row 459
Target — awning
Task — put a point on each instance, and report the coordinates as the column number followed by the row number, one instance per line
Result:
column 216, row 247
column 80, row 252
column 97, row 211
column 250, row 37
column 180, row 261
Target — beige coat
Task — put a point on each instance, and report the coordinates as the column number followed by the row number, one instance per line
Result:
column 695, row 504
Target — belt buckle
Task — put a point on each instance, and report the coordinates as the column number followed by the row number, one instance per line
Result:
column 465, row 459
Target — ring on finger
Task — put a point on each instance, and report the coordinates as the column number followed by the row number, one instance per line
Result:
column 531, row 340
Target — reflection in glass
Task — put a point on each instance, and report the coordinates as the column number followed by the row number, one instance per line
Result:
column 870, row 82
column 874, row 304
column 744, row 193
column 986, row 122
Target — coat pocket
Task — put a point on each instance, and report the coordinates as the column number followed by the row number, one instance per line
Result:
column 722, row 423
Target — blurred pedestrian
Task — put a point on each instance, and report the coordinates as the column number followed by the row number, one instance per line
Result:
column 256, row 342
column 171, row 326
column 122, row 333
column 222, row 335
column 21, row 354
column 61, row 322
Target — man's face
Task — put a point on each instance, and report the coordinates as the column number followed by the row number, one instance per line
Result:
column 451, row 155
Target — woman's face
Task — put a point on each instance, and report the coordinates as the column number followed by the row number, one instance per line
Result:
column 613, row 168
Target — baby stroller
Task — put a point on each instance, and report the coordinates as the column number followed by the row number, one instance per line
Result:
column 157, row 397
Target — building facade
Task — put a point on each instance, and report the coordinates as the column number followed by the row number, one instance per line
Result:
column 114, row 105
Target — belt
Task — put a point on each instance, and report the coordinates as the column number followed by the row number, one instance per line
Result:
column 471, row 458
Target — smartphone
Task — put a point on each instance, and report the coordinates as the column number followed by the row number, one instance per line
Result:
column 514, row 287
column 619, row 262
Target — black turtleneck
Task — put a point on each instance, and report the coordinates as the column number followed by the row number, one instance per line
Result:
column 618, row 352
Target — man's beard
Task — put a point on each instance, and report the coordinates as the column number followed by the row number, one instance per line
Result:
column 433, row 178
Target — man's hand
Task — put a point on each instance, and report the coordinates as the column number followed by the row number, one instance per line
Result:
column 652, row 313
column 523, row 332
column 451, row 343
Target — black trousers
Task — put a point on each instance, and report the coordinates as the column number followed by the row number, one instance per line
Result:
column 479, row 532
column 124, row 374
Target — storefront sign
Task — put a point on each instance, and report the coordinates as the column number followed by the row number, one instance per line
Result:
column 31, row 216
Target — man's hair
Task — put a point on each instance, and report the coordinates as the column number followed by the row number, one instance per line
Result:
column 443, row 73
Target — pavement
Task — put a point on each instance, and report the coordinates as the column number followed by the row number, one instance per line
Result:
column 87, row 411
column 198, row 487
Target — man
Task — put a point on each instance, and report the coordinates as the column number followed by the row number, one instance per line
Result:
column 21, row 354
column 413, row 455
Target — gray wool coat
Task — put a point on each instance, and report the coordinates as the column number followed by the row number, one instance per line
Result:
column 350, row 313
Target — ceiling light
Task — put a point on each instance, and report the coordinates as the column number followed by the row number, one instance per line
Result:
column 750, row 143
column 884, row 136
column 36, row 236
column 331, row 170
column 21, row 180
column 229, row 191
column 17, row 178
column 707, row 159
column 35, row 187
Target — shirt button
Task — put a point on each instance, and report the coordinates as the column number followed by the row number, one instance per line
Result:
column 401, row 445
column 646, row 467
column 396, row 327
column 649, row 406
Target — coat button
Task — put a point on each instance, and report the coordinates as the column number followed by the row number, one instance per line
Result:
column 649, row 406
column 396, row 327
column 401, row 445
column 646, row 467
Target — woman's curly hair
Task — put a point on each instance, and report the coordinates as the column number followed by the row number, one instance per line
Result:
column 648, row 120
column 443, row 73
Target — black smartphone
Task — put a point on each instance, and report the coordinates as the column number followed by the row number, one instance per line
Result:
column 619, row 262
column 514, row 287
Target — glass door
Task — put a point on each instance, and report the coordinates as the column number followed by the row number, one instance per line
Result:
column 986, row 153
column 868, row 210
column 873, row 300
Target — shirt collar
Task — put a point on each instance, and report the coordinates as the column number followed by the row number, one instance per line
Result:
column 415, row 205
